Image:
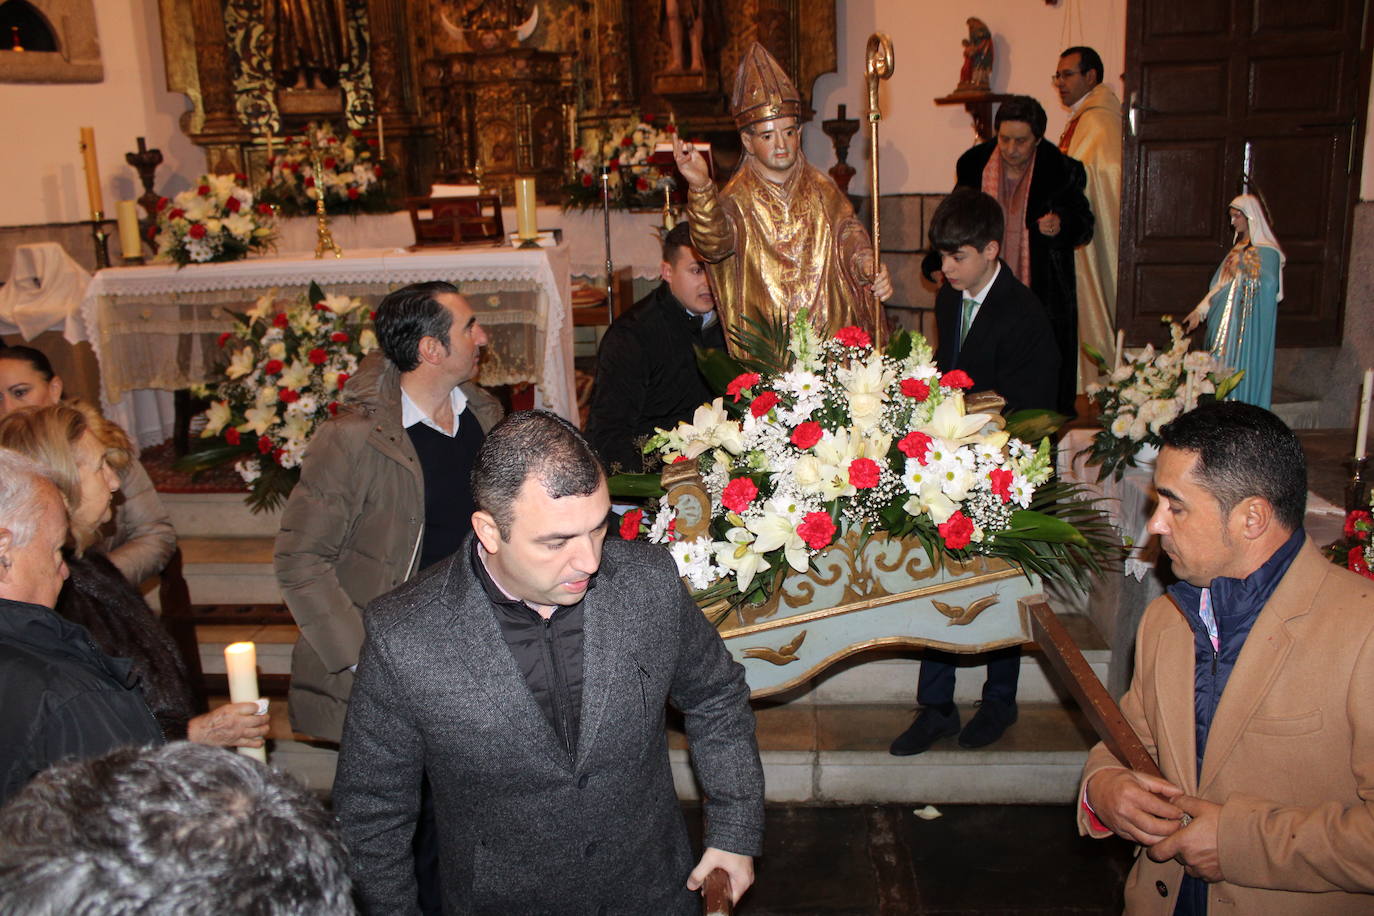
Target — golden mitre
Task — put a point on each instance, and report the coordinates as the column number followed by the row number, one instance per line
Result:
column 762, row 90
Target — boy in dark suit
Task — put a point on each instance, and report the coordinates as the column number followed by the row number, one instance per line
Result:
column 993, row 328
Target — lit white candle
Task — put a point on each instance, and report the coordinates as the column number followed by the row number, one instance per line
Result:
column 526, row 221
column 1362, row 431
column 1120, row 346
column 241, row 663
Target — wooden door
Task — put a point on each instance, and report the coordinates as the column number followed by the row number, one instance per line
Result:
column 1214, row 86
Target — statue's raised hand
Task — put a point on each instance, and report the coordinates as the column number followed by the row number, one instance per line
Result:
column 691, row 164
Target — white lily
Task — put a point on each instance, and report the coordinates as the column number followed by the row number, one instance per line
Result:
column 341, row 305
column 710, row 428
column 296, row 376
column 949, row 422
column 240, row 364
column 773, row 531
column 931, row 501
column 737, row 554
column 258, row 419
column 866, row 385
column 367, row 341
column 216, row 418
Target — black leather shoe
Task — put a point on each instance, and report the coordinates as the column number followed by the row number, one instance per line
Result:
column 987, row 724
column 930, row 726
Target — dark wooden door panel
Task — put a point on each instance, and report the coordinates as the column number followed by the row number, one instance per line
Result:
column 1278, row 86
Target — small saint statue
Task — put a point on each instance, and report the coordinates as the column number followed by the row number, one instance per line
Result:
column 687, row 26
column 976, row 73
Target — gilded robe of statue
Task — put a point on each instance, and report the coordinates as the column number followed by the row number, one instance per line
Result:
column 774, row 249
column 1093, row 137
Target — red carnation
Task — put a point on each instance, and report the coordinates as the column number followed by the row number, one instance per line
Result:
column 276, row 455
column 864, row 473
column 957, row 531
column 807, row 434
column 224, row 338
column 915, row 445
column 272, row 367
column 378, row 170
column 956, row 378
column 853, row 337
column 679, row 459
column 288, row 396
column 330, row 162
column 1359, row 515
column 352, row 193
column 356, row 133
column 915, row 388
column 233, row 204
column 614, row 163
column 265, row 209
column 339, row 337
column 1355, row 562
column 670, row 129
column 280, row 320
column 318, row 356
column 322, row 307
column 309, row 182
column 231, row 435
column 577, row 153
column 372, row 315
column 176, row 213
column 162, row 203
column 240, row 178
column 741, row 383
column 152, row 232
column 371, row 141
column 586, row 181
column 264, row 444
column 343, row 377
column 629, row 524
column 197, row 231
column 739, row 494
column 817, row 530
column 333, row 408
column 1001, row 483
column 203, row 190
column 626, row 141
column 764, row 403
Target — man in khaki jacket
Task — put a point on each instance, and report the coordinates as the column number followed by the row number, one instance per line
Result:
column 1253, row 690
column 356, row 525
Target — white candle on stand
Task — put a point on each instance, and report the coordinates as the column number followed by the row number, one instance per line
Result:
column 1120, row 345
column 1362, row 431
column 241, row 664
column 526, row 220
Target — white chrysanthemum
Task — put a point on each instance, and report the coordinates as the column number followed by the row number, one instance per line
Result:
column 1121, row 426
column 956, row 481
column 1021, row 490
column 248, row 469
column 659, row 532
column 199, row 250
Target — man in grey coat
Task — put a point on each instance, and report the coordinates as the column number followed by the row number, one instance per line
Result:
column 527, row 675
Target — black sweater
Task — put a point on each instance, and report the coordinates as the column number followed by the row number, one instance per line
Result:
column 647, row 377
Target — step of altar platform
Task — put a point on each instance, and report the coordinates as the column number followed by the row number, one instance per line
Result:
column 229, row 570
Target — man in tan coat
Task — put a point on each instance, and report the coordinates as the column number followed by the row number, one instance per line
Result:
column 1093, row 137
column 1253, row 691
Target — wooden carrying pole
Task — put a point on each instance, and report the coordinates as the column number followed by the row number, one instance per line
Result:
column 715, row 893
column 878, row 66
column 1077, row 676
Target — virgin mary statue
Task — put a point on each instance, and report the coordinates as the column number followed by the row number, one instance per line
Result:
column 1241, row 307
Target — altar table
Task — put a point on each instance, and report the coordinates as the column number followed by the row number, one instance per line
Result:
column 156, row 326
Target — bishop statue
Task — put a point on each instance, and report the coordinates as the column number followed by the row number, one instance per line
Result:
column 780, row 236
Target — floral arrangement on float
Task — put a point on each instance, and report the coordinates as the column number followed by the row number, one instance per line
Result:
column 284, row 368
column 1144, row 391
column 636, row 182
column 1356, row 550
column 814, row 438
column 350, row 176
column 217, row 220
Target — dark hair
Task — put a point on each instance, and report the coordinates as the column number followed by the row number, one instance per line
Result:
column 408, row 314
column 1244, row 451
column 1022, row 108
column 532, row 443
column 1088, row 60
column 177, row 830
column 34, row 358
column 966, row 217
column 678, row 238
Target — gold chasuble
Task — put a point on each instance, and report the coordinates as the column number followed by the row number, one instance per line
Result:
column 1093, row 137
column 773, row 249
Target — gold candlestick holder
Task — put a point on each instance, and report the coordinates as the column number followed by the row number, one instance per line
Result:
column 324, row 238
column 101, row 238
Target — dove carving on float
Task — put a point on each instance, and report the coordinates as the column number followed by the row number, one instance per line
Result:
column 783, row 655
column 961, row 616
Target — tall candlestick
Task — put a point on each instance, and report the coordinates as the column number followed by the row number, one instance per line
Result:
column 1120, row 346
column 1362, row 431
column 126, row 212
column 241, row 663
column 92, row 172
column 526, row 221
column 381, row 139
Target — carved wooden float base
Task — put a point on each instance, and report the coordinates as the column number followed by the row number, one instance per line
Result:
column 884, row 593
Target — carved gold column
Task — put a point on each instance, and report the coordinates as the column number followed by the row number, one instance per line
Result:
column 614, row 77
column 221, row 130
